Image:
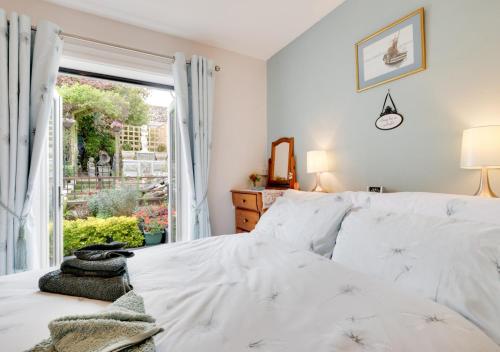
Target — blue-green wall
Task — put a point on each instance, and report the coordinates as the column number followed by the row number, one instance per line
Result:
column 312, row 97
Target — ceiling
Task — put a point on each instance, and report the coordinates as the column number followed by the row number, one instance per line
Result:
column 257, row 28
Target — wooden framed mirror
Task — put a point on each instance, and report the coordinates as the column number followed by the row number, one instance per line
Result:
column 282, row 164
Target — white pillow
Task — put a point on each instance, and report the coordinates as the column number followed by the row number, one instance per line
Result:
column 310, row 224
column 273, row 218
column 474, row 209
column 454, row 262
column 431, row 204
column 302, row 195
column 355, row 198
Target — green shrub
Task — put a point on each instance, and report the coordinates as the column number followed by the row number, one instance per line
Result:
column 113, row 202
column 161, row 148
column 83, row 232
column 127, row 147
column 68, row 171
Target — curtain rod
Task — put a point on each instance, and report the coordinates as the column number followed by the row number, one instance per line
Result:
column 117, row 46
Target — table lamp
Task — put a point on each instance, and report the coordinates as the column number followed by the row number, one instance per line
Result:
column 481, row 150
column 317, row 162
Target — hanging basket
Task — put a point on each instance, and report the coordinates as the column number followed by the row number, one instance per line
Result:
column 116, row 126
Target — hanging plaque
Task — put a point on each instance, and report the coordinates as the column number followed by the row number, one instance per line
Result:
column 389, row 118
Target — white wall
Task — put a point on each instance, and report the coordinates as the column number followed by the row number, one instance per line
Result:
column 239, row 138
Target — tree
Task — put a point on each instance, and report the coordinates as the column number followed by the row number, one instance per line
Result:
column 82, row 100
column 126, row 104
column 138, row 110
column 93, row 138
column 95, row 105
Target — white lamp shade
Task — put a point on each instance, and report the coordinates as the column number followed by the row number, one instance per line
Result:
column 481, row 147
column 317, row 161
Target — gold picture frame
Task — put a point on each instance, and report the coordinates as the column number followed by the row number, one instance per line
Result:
column 374, row 73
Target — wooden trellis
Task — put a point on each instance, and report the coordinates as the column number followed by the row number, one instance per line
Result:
column 131, row 135
column 156, row 137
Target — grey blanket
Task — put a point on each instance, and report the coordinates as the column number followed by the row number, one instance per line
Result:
column 99, row 268
column 123, row 326
column 105, row 289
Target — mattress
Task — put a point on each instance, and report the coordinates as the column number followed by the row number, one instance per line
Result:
column 252, row 293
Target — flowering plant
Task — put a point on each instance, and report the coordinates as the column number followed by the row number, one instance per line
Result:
column 254, row 178
column 116, row 125
column 153, row 218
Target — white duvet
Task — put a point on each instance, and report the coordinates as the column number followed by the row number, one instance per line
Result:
column 253, row 293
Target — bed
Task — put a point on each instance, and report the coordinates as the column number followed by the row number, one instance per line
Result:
column 253, row 293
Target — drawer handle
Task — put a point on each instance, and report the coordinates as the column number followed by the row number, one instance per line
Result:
column 244, row 200
column 245, row 220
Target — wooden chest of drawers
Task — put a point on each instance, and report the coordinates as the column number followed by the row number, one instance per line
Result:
column 249, row 209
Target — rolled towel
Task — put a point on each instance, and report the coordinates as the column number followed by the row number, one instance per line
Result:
column 101, row 268
column 123, row 326
column 101, row 288
column 102, row 254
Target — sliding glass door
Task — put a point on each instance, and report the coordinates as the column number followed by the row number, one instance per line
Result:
column 117, row 162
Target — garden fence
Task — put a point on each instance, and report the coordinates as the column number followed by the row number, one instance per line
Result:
column 78, row 188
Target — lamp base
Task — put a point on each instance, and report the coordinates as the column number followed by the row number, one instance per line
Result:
column 484, row 189
column 318, row 187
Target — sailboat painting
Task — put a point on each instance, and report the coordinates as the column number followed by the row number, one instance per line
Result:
column 394, row 56
column 395, row 51
column 389, row 54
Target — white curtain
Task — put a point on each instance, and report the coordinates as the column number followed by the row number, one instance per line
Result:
column 29, row 63
column 194, row 90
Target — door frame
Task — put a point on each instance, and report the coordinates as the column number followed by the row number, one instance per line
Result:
column 57, row 185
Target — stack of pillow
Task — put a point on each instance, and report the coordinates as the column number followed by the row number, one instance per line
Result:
column 442, row 247
column 97, row 272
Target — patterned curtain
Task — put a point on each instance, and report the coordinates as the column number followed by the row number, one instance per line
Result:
column 29, row 62
column 194, row 89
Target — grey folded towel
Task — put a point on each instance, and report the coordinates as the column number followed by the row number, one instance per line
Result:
column 102, row 288
column 103, row 251
column 102, row 254
column 101, row 268
column 123, row 326
column 105, row 246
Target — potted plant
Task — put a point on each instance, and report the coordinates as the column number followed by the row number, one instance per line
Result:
column 254, row 178
column 161, row 152
column 153, row 222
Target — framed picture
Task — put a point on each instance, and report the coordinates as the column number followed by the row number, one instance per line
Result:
column 394, row 52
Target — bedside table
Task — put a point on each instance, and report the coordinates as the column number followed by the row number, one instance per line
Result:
column 250, row 205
